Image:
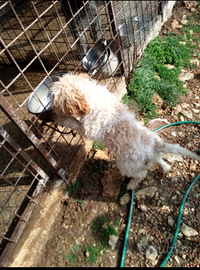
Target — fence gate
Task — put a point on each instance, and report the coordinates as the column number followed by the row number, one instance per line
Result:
column 37, row 40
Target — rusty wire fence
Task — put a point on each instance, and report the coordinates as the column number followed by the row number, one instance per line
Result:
column 37, row 40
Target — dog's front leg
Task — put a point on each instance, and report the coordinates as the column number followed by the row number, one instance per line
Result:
column 136, row 180
column 70, row 122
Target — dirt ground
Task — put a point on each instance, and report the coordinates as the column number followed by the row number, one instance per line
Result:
column 154, row 217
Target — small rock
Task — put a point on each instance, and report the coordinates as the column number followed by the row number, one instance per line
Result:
column 188, row 114
column 113, row 240
column 191, row 32
column 175, row 24
column 142, row 246
column 184, row 256
column 183, row 42
column 143, row 207
column 125, row 199
column 141, row 231
column 192, row 9
column 180, row 235
column 169, row 66
column 177, row 259
column 174, row 197
column 196, row 195
column 150, row 192
column 175, row 179
column 188, row 4
column 192, row 167
column 184, row 22
column 185, row 76
column 157, row 76
column 101, row 154
column 184, row 17
column 194, row 62
column 111, row 182
column 165, row 208
column 170, row 221
column 197, row 105
column 174, row 134
column 157, row 100
column 188, row 231
column 151, row 253
column 195, row 110
column 87, row 254
column 185, row 105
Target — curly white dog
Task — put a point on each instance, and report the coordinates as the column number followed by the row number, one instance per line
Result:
column 83, row 105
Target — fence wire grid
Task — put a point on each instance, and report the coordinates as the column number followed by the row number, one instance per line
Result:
column 37, row 40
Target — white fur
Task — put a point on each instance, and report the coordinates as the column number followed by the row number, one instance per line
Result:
column 105, row 119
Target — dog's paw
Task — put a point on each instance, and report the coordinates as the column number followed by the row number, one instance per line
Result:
column 166, row 168
column 132, row 184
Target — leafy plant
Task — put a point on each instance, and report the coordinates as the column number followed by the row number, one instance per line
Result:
column 72, row 188
column 97, row 224
column 72, row 255
column 98, row 145
column 93, row 252
column 104, row 233
column 99, row 166
column 158, row 53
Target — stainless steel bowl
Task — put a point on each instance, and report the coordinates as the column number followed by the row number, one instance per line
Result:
column 96, row 57
column 39, row 102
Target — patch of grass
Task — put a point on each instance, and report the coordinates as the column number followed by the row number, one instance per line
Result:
column 93, row 253
column 116, row 222
column 158, row 53
column 98, row 145
column 97, row 224
column 103, row 233
column 99, row 166
column 72, row 188
column 72, row 255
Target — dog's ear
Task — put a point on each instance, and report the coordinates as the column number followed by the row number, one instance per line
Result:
column 76, row 105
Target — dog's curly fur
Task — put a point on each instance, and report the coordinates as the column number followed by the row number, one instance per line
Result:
column 83, row 105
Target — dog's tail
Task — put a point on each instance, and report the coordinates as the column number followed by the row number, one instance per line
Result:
column 177, row 149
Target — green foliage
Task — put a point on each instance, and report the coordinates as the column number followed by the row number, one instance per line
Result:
column 98, row 145
column 99, row 166
column 116, row 222
column 104, row 233
column 158, row 53
column 97, row 224
column 72, row 188
column 72, row 255
column 94, row 252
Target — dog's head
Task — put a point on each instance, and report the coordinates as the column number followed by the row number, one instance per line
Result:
column 67, row 97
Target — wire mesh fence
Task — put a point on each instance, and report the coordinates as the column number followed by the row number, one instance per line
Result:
column 37, row 40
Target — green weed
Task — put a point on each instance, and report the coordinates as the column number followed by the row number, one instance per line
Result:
column 98, row 145
column 72, row 255
column 72, row 188
column 99, row 166
column 103, row 233
column 93, row 253
column 97, row 224
column 158, row 53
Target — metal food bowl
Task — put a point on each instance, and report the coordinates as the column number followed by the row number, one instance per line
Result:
column 96, row 57
column 39, row 102
column 100, row 59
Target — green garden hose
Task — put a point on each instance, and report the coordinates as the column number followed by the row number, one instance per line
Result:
column 180, row 210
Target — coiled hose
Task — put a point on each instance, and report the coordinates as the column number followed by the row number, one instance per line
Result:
column 180, row 209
